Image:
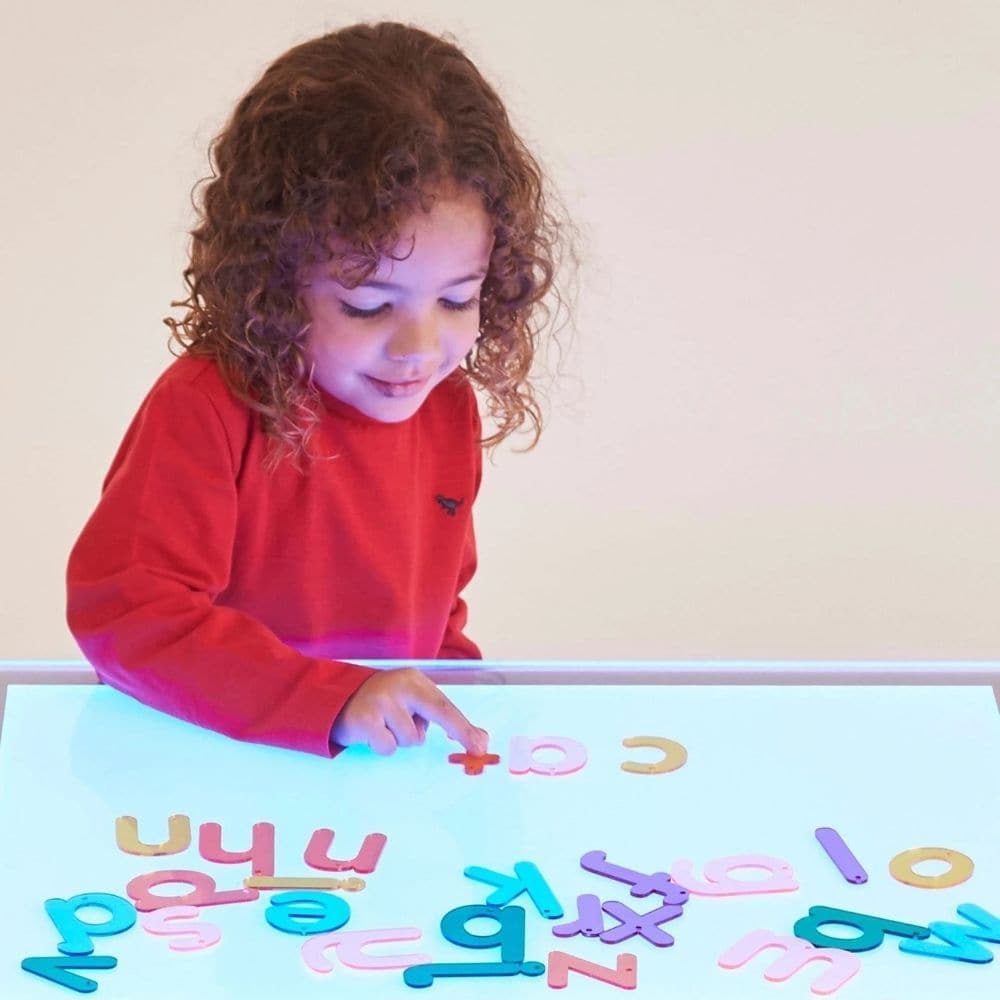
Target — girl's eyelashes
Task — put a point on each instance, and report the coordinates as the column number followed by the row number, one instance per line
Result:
column 370, row 313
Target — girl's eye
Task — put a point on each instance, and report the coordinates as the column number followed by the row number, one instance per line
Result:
column 370, row 313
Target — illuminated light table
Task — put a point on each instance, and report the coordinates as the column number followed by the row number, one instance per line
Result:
column 893, row 756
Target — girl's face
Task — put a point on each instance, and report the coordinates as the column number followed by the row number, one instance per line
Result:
column 420, row 328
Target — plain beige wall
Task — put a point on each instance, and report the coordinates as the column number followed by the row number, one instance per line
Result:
column 775, row 434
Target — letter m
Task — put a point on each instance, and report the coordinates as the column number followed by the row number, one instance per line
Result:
column 797, row 954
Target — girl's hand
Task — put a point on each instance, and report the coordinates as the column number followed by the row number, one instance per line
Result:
column 392, row 708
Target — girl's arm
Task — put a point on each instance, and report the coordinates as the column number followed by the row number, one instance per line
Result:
column 142, row 578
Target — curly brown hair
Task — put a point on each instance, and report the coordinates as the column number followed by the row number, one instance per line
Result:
column 341, row 139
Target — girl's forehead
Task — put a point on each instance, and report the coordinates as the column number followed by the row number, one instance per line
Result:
column 459, row 218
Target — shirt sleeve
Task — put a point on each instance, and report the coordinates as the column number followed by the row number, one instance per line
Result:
column 456, row 645
column 143, row 576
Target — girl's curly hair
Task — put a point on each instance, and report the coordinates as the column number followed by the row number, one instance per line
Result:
column 344, row 136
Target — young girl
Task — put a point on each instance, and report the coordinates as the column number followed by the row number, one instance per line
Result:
column 297, row 487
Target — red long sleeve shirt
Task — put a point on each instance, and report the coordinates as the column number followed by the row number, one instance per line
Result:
column 213, row 590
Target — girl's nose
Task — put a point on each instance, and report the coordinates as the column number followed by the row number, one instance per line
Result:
column 415, row 339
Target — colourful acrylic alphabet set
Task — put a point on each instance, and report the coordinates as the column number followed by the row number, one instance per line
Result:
column 309, row 907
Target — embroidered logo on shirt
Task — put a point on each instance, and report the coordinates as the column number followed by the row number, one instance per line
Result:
column 451, row 506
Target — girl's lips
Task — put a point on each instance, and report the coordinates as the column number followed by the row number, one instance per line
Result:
column 395, row 389
column 412, row 381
